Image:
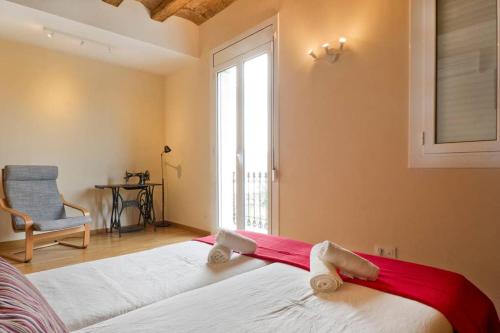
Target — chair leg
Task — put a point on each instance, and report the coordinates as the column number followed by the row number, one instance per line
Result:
column 86, row 236
column 28, row 245
column 14, row 257
column 86, row 239
column 20, row 256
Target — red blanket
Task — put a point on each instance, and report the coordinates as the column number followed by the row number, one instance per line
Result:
column 462, row 303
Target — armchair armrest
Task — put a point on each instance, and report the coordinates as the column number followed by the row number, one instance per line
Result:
column 28, row 221
column 84, row 211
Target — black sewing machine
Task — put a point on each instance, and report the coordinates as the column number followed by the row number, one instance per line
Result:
column 143, row 176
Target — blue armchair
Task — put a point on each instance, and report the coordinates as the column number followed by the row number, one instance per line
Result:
column 35, row 205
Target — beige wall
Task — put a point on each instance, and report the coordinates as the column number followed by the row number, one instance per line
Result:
column 343, row 142
column 92, row 119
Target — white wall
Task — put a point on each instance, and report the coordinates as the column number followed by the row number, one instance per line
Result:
column 93, row 120
column 343, row 142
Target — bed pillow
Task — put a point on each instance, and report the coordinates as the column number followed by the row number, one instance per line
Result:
column 22, row 308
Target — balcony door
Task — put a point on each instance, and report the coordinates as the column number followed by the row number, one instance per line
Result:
column 244, row 99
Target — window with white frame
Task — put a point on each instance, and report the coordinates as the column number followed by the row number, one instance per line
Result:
column 454, row 119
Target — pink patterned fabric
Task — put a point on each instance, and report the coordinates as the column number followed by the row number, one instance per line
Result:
column 22, row 308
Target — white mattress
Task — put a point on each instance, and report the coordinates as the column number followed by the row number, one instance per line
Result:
column 91, row 292
column 277, row 298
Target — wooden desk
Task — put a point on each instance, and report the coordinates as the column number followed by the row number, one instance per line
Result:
column 144, row 202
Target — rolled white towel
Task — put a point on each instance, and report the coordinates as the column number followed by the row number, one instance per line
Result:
column 219, row 254
column 324, row 276
column 236, row 242
column 348, row 262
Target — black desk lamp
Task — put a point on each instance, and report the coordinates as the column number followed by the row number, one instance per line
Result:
column 163, row 222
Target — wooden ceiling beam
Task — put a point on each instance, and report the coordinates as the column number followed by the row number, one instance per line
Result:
column 199, row 11
column 196, row 11
column 115, row 3
column 168, row 8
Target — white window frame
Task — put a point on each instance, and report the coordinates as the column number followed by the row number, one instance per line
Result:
column 273, row 22
column 423, row 151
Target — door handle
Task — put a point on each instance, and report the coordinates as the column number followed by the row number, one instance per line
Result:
column 274, row 175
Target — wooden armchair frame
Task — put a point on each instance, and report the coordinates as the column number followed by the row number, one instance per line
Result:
column 31, row 238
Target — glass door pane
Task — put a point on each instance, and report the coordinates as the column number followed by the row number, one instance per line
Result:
column 256, row 105
column 244, row 110
column 227, row 147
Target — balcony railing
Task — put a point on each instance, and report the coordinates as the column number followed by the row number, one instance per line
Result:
column 256, row 200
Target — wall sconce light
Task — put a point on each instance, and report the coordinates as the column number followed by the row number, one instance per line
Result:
column 312, row 54
column 331, row 54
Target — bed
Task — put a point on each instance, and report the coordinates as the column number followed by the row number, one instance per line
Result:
column 88, row 293
column 277, row 298
column 173, row 289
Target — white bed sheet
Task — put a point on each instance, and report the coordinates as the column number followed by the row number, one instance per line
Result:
column 277, row 298
column 91, row 292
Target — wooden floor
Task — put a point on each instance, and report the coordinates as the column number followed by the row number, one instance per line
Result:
column 101, row 246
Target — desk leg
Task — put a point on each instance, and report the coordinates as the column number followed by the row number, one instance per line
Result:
column 150, row 207
column 120, row 211
column 112, row 214
column 142, row 199
column 146, row 205
column 146, row 217
column 152, row 202
column 116, row 212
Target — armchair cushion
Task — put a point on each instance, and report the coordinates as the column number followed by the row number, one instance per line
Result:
column 30, row 172
column 69, row 222
column 33, row 190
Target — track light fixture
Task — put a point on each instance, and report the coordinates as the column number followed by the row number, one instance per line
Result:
column 51, row 33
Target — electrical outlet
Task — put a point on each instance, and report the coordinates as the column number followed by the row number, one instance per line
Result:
column 386, row 251
column 391, row 252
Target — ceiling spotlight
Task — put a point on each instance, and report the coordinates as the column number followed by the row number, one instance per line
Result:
column 342, row 40
column 50, row 34
column 326, row 46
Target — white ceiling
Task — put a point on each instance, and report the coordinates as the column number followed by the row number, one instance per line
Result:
column 135, row 40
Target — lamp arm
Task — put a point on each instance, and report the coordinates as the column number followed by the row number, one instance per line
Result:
column 164, row 223
column 162, row 190
column 161, row 158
